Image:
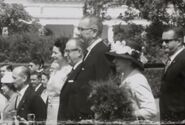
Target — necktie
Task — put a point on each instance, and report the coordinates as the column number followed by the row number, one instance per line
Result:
column 18, row 100
column 167, row 64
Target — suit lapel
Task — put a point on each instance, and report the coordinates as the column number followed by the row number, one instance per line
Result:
column 26, row 94
column 176, row 59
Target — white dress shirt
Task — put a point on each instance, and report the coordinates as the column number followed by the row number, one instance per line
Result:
column 21, row 94
column 92, row 46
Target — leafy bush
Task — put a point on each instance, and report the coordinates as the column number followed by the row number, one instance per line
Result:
column 19, row 48
column 154, row 78
column 110, row 102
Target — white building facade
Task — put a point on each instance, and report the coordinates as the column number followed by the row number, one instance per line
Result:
column 62, row 16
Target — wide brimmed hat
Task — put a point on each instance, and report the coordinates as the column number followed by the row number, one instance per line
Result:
column 126, row 50
column 7, row 78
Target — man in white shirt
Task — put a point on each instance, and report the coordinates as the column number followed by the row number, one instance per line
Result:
column 172, row 101
column 27, row 101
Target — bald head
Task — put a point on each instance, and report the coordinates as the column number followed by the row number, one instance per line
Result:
column 21, row 76
column 74, row 51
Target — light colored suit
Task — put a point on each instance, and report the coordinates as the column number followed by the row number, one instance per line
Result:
column 10, row 107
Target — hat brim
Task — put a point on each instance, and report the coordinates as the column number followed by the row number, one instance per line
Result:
column 112, row 55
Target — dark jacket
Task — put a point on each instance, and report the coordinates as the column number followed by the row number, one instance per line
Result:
column 40, row 90
column 31, row 103
column 77, row 87
column 172, row 96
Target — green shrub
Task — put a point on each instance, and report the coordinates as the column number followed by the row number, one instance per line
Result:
column 153, row 76
column 19, row 48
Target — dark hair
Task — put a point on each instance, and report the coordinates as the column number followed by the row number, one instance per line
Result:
column 38, row 74
column 179, row 32
column 61, row 43
column 10, row 86
column 8, row 67
column 38, row 60
column 46, row 74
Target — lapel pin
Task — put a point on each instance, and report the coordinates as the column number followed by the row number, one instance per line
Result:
column 70, row 81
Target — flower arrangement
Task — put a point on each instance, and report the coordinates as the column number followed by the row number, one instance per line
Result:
column 120, row 47
column 109, row 102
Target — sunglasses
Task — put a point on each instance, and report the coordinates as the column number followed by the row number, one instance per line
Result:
column 167, row 40
column 83, row 29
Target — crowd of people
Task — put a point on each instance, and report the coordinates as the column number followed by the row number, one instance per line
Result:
column 62, row 93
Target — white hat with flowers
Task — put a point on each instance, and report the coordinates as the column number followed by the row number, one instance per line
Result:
column 130, row 50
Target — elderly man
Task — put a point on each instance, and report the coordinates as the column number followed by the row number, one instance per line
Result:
column 172, row 101
column 27, row 102
column 71, row 93
column 94, row 65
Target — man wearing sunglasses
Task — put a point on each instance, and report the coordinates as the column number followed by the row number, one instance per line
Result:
column 172, row 96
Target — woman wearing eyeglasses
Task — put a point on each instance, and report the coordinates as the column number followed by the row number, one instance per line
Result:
column 57, row 79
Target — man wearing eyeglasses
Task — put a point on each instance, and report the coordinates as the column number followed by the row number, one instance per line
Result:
column 94, row 66
column 69, row 95
column 172, row 97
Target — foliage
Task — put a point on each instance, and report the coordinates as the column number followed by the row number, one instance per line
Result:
column 16, row 19
column 21, row 47
column 158, row 12
column 154, row 76
column 109, row 101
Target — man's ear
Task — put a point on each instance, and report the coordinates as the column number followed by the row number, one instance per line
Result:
column 25, row 78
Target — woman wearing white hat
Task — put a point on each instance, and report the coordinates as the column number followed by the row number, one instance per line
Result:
column 10, row 93
column 127, row 62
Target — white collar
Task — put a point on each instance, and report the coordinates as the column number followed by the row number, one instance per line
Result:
column 89, row 48
column 176, row 53
column 76, row 65
column 37, row 87
column 92, row 46
column 22, row 91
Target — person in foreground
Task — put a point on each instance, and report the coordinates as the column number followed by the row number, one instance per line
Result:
column 73, row 87
column 27, row 101
column 172, row 101
column 128, row 64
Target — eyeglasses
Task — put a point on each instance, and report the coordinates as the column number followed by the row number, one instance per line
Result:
column 83, row 29
column 70, row 50
column 167, row 40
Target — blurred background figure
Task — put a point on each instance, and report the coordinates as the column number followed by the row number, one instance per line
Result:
column 6, row 69
column 44, row 81
column 10, row 93
column 57, row 78
column 35, row 82
column 27, row 101
column 37, row 63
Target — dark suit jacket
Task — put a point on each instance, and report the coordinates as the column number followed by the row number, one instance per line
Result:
column 172, row 98
column 40, row 90
column 95, row 67
column 31, row 103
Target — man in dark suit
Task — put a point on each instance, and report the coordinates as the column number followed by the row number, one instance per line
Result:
column 27, row 102
column 74, row 52
column 35, row 79
column 172, row 97
column 94, row 65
